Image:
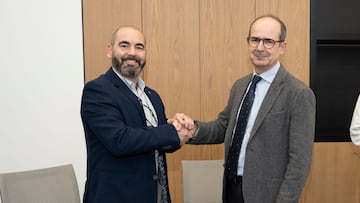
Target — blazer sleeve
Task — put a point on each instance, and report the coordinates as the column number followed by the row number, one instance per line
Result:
column 115, row 121
column 301, row 138
column 215, row 131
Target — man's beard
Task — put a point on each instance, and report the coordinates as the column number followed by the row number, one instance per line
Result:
column 128, row 71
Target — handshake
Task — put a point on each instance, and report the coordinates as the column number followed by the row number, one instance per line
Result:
column 184, row 126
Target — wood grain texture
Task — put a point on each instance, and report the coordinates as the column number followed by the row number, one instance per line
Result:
column 334, row 175
column 196, row 49
column 296, row 16
column 224, row 55
column 172, row 30
column 100, row 20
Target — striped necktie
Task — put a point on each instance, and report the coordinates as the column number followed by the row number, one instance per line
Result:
column 151, row 120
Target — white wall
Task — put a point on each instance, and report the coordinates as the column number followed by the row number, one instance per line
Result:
column 41, row 79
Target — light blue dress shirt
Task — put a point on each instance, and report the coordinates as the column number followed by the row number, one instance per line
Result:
column 262, row 88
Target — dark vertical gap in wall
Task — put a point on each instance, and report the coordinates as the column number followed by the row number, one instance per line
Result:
column 200, row 61
column 334, row 65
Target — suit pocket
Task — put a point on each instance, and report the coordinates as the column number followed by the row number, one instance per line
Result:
column 274, row 124
column 275, row 115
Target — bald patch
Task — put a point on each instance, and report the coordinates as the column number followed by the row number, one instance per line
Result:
column 125, row 29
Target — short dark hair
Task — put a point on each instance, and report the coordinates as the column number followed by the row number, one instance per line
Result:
column 282, row 25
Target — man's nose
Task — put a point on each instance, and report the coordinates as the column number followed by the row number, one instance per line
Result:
column 131, row 50
column 260, row 46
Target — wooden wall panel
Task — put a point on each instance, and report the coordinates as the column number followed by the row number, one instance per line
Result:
column 172, row 31
column 100, row 19
column 224, row 53
column 196, row 51
column 296, row 16
column 334, row 175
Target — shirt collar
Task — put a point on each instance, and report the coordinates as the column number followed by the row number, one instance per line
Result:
column 130, row 84
column 270, row 74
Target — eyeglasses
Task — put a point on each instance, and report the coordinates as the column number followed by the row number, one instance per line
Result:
column 267, row 43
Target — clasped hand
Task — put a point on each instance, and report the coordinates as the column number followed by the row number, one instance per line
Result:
column 184, row 126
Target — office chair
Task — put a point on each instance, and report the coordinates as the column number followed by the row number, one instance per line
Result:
column 48, row 185
column 202, row 181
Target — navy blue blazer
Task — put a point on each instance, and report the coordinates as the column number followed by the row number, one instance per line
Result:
column 120, row 147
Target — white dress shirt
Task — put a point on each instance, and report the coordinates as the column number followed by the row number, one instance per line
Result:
column 355, row 124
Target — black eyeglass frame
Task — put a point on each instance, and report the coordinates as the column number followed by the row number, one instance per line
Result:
column 258, row 40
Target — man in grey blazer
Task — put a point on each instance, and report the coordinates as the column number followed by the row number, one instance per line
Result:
column 276, row 149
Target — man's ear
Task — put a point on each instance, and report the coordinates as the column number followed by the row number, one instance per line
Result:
column 283, row 47
column 109, row 50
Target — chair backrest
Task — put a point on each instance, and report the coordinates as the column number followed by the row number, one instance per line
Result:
column 202, row 181
column 49, row 185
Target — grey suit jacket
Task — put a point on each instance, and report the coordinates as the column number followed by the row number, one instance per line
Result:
column 279, row 151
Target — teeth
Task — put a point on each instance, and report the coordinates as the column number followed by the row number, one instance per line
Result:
column 132, row 62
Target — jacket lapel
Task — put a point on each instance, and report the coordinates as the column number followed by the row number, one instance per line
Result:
column 271, row 96
column 126, row 92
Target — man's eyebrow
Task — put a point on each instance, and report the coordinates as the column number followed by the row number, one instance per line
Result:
column 124, row 42
column 128, row 43
column 140, row 44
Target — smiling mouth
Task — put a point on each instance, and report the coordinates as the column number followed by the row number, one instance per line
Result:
column 131, row 61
